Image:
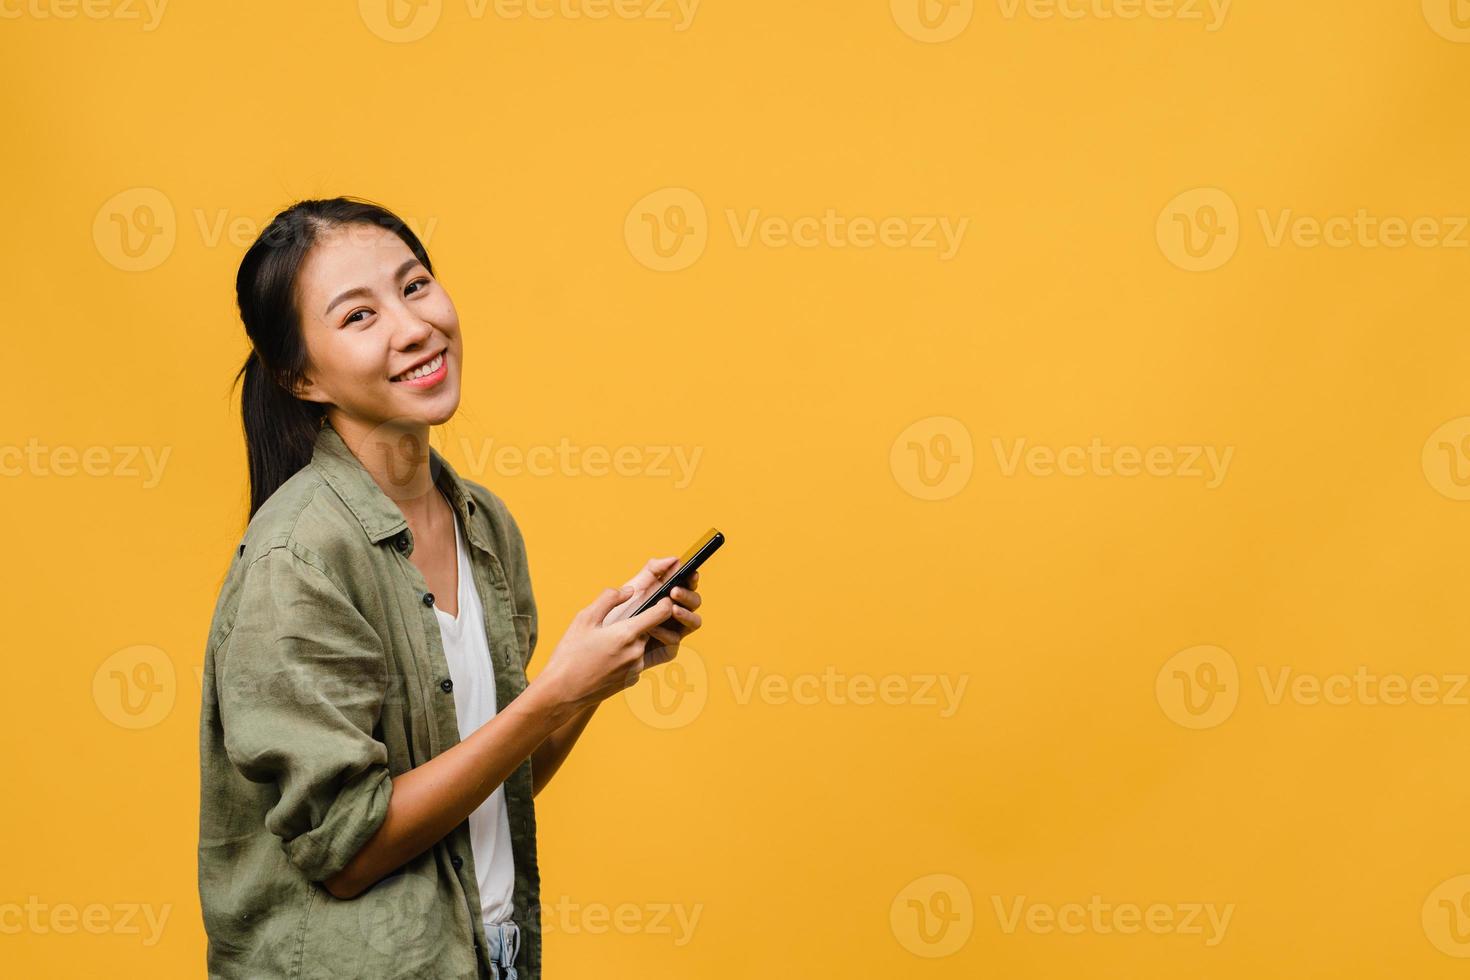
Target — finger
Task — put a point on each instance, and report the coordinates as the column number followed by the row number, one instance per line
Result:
column 657, row 654
column 643, row 585
column 688, row 618
column 622, row 609
column 669, row 634
column 650, row 617
column 687, row 598
column 694, row 579
column 661, row 636
column 652, row 573
column 602, row 605
column 678, row 624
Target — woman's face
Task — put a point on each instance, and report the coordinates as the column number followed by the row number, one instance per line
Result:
column 371, row 314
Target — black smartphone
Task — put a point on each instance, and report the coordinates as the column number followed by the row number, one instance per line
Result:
column 689, row 562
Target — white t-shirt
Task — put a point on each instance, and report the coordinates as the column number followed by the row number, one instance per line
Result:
column 468, row 653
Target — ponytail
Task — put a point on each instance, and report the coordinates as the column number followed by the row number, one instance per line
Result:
column 280, row 430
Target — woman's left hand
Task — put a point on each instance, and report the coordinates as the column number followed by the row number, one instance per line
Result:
column 663, row 642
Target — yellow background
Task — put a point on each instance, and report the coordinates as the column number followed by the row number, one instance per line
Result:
column 798, row 832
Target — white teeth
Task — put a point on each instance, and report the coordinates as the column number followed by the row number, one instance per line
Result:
column 419, row 372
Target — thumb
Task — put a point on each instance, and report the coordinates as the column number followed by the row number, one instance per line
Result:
column 605, row 601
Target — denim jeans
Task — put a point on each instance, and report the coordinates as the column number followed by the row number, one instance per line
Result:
column 504, row 939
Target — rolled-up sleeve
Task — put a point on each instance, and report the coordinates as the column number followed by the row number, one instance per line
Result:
column 301, row 679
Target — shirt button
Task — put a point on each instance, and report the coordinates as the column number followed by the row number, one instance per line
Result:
column 428, row 598
column 446, row 685
column 457, row 861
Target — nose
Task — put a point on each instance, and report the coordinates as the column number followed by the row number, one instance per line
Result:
column 411, row 331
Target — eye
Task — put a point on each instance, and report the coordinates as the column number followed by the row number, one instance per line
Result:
column 353, row 316
column 422, row 282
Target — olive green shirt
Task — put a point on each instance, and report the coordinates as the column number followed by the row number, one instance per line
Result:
column 324, row 677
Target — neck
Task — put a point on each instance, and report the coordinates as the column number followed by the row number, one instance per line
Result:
column 397, row 457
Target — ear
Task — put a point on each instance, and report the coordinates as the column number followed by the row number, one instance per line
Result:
column 307, row 390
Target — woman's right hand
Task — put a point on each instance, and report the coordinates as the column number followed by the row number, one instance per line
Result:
column 592, row 662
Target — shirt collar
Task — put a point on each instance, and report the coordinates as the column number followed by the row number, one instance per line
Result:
column 374, row 509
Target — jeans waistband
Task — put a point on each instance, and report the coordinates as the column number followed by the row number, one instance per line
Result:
column 504, row 939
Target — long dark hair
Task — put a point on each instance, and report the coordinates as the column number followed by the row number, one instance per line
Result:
column 281, row 429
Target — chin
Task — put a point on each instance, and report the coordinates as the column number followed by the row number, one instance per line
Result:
column 438, row 416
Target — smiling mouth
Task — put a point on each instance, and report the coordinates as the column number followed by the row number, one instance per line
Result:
column 426, row 368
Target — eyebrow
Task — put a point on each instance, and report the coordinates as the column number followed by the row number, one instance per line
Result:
column 364, row 291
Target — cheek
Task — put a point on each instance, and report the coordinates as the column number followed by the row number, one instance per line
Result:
column 443, row 314
column 357, row 361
